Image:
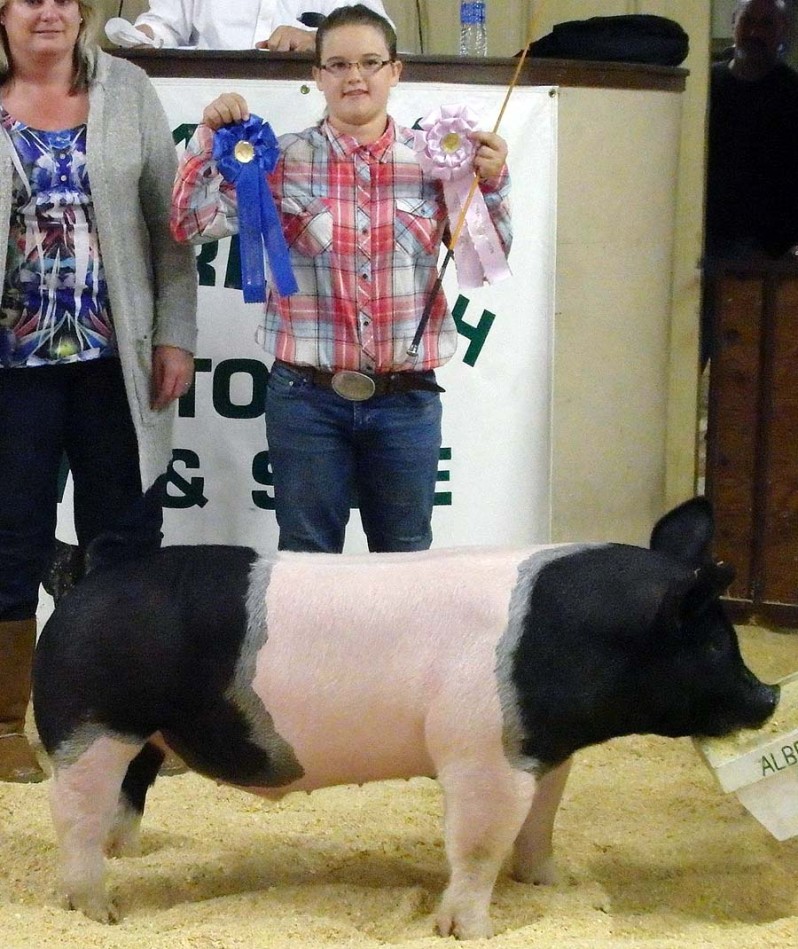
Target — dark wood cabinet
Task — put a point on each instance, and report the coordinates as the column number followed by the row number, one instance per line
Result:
column 752, row 436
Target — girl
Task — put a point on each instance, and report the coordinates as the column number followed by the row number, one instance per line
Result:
column 347, row 413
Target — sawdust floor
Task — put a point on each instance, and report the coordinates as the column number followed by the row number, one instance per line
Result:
column 651, row 854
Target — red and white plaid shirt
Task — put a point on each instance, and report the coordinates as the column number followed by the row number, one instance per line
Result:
column 364, row 227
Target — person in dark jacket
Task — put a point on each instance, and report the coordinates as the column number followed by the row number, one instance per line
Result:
column 752, row 162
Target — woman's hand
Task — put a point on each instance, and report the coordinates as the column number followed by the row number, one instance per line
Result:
column 491, row 154
column 172, row 375
column 225, row 109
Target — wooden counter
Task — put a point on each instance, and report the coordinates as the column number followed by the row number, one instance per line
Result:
column 253, row 64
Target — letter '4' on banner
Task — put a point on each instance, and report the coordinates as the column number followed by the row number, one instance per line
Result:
column 245, row 153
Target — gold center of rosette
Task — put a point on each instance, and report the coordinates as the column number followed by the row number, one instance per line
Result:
column 244, row 151
column 450, row 142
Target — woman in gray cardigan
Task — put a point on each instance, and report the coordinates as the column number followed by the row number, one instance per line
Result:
column 98, row 313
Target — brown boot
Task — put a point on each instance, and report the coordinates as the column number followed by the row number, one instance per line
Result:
column 17, row 760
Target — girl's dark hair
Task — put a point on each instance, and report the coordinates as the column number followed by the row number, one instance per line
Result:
column 356, row 15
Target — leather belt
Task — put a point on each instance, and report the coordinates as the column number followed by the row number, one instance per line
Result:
column 358, row 386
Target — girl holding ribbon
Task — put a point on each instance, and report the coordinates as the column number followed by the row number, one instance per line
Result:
column 349, row 413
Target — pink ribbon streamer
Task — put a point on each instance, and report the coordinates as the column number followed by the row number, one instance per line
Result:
column 445, row 152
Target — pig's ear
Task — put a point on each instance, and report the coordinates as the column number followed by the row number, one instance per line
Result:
column 686, row 532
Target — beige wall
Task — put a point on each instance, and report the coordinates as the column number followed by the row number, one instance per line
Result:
column 612, row 322
column 508, row 22
column 722, row 11
column 683, row 346
column 683, row 396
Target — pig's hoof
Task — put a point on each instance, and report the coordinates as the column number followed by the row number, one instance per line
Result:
column 124, row 839
column 463, row 926
column 100, row 909
column 123, row 844
column 539, row 872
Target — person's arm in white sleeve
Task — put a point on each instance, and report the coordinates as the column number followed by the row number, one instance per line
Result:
column 171, row 21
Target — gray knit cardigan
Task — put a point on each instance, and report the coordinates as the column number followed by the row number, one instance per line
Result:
column 151, row 279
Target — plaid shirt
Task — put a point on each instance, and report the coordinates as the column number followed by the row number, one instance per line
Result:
column 364, row 226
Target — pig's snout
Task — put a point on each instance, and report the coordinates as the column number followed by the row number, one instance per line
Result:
column 761, row 704
column 771, row 694
column 751, row 708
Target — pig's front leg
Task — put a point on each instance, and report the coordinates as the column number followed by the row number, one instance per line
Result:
column 485, row 807
column 533, row 860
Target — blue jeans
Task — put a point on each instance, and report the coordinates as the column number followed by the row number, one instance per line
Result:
column 326, row 451
column 81, row 410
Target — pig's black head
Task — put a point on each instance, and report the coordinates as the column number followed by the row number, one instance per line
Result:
column 620, row 640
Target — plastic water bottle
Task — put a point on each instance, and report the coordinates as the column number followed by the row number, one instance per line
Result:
column 473, row 32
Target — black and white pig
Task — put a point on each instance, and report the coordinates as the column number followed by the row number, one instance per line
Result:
column 485, row 668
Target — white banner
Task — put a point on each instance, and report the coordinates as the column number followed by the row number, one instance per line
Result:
column 493, row 480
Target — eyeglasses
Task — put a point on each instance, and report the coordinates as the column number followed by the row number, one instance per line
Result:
column 366, row 65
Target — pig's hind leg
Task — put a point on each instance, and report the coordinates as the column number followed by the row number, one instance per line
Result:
column 123, row 838
column 485, row 808
column 84, row 800
column 533, row 858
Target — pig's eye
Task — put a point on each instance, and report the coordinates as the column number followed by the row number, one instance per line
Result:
column 715, row 648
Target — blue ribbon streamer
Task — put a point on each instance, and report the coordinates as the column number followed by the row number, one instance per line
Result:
column 258, row 220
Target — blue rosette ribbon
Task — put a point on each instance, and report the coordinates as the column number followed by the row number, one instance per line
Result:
column 245, row 153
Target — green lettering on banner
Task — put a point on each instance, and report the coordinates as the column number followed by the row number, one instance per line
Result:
column 206, row 254
column 232, row 277
column 187, row 404
column 191, row 489
column 476, row 334
column 221, row 387
column 444, row 498
column 206, row 257
column 182, row 134
column 262, row 474
column 222, row 400
column 767, row 766
column 789, row 755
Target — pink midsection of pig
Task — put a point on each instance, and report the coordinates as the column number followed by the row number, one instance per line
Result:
column 363, row 683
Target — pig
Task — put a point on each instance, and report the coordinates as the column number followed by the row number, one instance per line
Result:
column 486, row 668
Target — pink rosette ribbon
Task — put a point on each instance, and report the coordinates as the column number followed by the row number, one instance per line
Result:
column 444, row 151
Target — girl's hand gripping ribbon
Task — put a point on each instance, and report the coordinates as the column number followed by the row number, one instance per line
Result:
column 245, row 153
column 444, row 151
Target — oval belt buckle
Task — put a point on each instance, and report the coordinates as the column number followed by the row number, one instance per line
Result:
column 353, row 386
